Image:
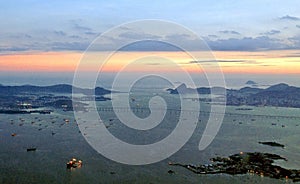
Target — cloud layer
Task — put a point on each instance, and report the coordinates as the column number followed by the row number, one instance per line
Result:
column 288, row 17
column 78, row 34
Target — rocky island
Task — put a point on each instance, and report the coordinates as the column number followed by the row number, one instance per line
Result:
column 274, row 144
column 250, row 82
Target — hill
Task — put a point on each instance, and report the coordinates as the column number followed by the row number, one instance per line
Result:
column 59, row 88
column 281, row 95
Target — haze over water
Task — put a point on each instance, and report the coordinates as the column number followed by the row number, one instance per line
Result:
column 234, row 81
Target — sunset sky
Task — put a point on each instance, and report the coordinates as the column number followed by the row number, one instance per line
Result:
column 253, row 37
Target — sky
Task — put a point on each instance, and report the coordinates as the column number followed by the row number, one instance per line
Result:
column 245, row 36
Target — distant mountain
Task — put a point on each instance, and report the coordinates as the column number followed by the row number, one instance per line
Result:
column 183, row 89
column 250, row 90
column 278, row 87
column 281, row 95
column 60, row 88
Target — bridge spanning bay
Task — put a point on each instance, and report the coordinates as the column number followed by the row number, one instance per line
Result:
column 202, row 112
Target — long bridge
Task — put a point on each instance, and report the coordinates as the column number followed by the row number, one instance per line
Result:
column 202, row 112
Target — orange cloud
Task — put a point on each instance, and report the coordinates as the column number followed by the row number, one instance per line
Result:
column 264, row 62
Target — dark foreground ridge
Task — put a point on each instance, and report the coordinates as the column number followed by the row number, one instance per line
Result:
column 243, row 163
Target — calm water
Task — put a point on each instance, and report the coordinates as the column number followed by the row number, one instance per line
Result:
column 239, row 132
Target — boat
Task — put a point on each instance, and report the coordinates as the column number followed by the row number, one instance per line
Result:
column 31, row 149
column 74, row 163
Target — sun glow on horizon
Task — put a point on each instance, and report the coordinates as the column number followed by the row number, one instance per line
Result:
column 267, row 62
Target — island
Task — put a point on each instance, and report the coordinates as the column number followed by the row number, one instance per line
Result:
column 274, row 144
column 250, row 82
column 243, row 163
